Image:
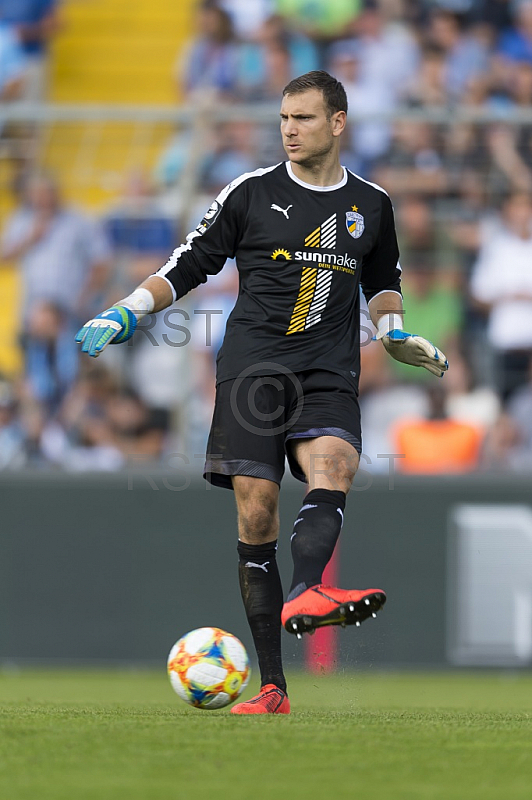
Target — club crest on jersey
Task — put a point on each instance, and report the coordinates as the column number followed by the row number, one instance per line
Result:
column 354, row 223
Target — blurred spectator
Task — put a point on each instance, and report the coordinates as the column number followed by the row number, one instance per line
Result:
column 477, row 405
column 50, row 360
column 35, row 22
column 171, row 165
column 428, row 86
column 389, row 54
column 246, row 16
column 370, row 138
column 502, row 285
column 437, row 444
column 510, row 146
column 275, row 53
column 34, row 422
column 521, row 86
column 496, row 14
column 135, row 432
column 501, row 441
column 414, row 163
column 139, row 232
column 63, row 255
column 322, row 21
column 466, row 161
column 87, row 397
column 267, row 65
column 232, row 153
column 519, row 412
column 424, row 244
column 510, row 171
column 210, row 63
column 13, row 64
column 515, row 44
column 466, row 55
column 11, row 431
column 382, row 409
column 102, row 428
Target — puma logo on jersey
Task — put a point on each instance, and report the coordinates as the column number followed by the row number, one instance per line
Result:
column 284, row 211
column 259, row 566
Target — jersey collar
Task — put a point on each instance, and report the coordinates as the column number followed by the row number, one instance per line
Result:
column 311, row 185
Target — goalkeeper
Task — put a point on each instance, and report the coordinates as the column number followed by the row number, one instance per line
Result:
column 307, row 234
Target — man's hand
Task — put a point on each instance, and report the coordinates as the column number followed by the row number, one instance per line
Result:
column 114, row 326
column 414, row 350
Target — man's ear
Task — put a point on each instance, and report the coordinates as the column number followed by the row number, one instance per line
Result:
column 338, row 123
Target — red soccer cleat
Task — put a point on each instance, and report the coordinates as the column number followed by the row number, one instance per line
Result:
column 271, row 700
column 325, row 605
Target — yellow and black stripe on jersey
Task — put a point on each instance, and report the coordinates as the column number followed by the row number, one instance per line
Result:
column 312, row 298
column 315, row 282
column 324, row 235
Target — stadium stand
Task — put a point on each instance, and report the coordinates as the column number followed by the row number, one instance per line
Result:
column 108, row 52
column 174, row 99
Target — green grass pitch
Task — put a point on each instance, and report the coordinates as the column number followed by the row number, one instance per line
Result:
column 113, row 735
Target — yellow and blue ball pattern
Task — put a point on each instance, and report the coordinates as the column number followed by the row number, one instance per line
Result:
column 208, row 668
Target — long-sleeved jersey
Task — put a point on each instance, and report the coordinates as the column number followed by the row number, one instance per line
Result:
column 301, row 252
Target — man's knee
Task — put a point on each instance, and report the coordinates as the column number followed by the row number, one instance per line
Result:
column 334, row 470
column 257, row 523
column 258, row 519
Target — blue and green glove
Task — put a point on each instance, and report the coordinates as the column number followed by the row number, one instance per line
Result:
column 114, row 326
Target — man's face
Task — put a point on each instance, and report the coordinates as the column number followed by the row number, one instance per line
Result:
column 42, row 195
column 308, row 133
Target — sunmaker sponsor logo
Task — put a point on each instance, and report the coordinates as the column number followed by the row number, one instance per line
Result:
column 326, row 258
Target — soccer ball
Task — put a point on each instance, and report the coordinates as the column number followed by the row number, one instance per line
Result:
column 208, row 668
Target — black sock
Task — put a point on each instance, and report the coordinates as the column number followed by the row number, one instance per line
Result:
column 316, row 531
column 262, row 593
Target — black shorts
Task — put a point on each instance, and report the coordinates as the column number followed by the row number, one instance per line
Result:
column 255, row 418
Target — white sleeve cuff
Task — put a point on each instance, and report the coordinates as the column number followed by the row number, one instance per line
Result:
column 387, row 323
column 141, row 302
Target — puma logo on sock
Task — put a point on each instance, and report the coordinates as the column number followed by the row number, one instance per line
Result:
column 260, row 566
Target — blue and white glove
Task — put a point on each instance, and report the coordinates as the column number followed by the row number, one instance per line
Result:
column 416, row 351
column 114, row 326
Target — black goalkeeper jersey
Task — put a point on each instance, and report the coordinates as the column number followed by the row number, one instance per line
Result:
column 301, row 252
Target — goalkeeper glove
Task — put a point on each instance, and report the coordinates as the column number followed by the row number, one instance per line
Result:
column 411, row 349
column 114, row 326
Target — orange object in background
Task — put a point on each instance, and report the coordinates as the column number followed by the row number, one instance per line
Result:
column 436, row 446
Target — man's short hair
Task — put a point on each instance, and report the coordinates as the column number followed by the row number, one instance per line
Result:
column 334, row 96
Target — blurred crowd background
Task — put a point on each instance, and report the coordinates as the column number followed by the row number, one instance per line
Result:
column 120, row 122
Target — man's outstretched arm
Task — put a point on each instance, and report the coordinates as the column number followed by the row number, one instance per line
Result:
column 118, row 323
column 204, row 253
